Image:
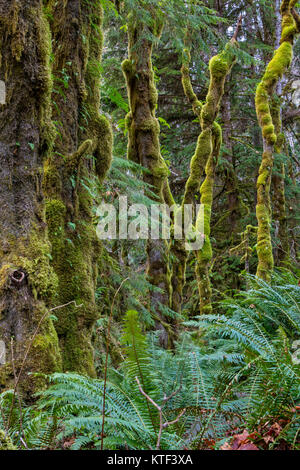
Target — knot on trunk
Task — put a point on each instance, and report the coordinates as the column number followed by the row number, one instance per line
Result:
column 18, row 278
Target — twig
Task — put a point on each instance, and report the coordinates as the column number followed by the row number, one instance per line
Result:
column 239, row 24
column 162, row 425
column 106, row 359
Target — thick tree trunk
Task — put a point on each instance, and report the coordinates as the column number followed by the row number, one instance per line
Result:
column 281, row 251
column 27, row 282
column 144, row 148
column 263, row 100
column 82, row 153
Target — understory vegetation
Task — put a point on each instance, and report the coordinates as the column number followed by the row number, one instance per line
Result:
column 232, row 374
column 109, row 111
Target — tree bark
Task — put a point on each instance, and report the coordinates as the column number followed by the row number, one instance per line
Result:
column 263, row 100
column 82, row 153
column 144, row 148
column 27, row 281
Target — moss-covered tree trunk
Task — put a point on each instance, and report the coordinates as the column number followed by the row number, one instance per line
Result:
column 144, row 148
column 282, row 250
column 27, row 282
column 178, row 251
column 82, row 153
column 263, row 101
column 205, row 159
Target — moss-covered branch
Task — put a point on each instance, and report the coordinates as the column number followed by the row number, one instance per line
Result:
column 278, row 186
column 204, row 161
column 27, row 281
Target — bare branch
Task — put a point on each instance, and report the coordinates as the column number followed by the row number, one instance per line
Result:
column 175, row 420
column 239, row 24
column 162, row 424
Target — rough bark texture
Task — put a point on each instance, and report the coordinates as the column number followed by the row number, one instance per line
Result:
column 82, row 153
column 263, row 100
column 179, row 254
column 144, row 148
column 27, row 282
column 6, row 442
column 281, row 250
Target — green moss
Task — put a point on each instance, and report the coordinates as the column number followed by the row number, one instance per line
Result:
column 6, row 442
column 204, row 161
column 73, row 160
column 75, row 247
column 5, row 271
column 55, row 214
column 218, row 67
column 266, row 120
column 41, row 276
column 263, row 177
column 28, row 303
column 128, row 68
column 148, row 125
column 187, row 85
column 268, row 131
column 264, row 101
column 203, row 151
column 144, row 146
column 104, row 147
column 51, row 178
column 161, row 171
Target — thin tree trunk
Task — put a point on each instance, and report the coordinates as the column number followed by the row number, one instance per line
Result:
column 144, row 148
column 263, row 100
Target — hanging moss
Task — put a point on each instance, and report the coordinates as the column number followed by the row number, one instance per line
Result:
column 282, row 250
column 263, row 101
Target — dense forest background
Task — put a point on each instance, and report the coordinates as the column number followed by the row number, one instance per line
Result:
column 145, row 344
